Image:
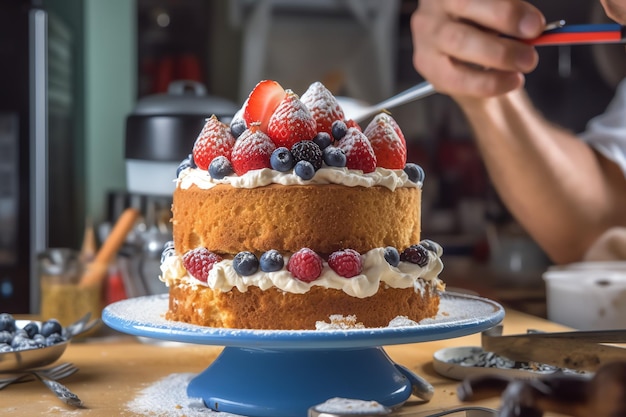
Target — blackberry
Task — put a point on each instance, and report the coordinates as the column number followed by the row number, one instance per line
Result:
column 414, row 172
column 415, row 254
column 282, row 160
column 272, row 261
column 339, row 129
column 245, row 263
column 185, row 163
column 323, row 140
column 334, row 157
column 307, row 150
column 392, row 256
column 220, row 167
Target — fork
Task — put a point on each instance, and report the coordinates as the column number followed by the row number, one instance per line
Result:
column 57, row 372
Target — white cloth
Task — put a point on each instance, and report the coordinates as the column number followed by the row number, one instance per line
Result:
column 607, row 131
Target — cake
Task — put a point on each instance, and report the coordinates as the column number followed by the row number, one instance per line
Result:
column 292, row 217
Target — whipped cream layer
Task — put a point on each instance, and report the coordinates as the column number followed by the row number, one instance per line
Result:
column 388, row 178
column 375, row 270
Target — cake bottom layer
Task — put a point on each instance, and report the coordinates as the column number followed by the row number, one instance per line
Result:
column 275, row 309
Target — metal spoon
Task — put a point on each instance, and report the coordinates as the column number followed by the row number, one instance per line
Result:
column 416, row 92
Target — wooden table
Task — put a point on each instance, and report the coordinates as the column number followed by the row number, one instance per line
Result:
column 115, row 369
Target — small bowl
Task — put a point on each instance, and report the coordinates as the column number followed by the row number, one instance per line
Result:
column 20, row 360
column 587, row 295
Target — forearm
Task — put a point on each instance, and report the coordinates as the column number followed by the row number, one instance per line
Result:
column 554, row 184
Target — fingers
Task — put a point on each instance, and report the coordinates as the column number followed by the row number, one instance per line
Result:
column 460, row 48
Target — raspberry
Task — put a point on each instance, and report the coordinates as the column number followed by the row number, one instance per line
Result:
column 347, row 263
column 199, row 261
column 415, row 254
column 305, row 265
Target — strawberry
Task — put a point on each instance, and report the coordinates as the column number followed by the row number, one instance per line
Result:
column 199, row 261
column 352, row 123
column 346, row 263
column 390, row 150
column 262, row 102
column 291, row 122
column 323, row 106
column 252, row 150
column 397, row 129
column 214, row 140
column 358, row 150
column 305, row 265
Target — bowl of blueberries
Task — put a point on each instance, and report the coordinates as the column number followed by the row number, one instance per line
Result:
column 27, row 344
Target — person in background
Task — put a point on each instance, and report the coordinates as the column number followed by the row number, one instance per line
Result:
column 567, row 191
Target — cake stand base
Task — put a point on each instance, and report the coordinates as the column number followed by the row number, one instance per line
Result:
column 286, row 383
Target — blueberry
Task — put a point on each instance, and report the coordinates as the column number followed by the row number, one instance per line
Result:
column 323, row 140
column 7, row 322
column 334, row 157
column 53, row 339
column 25, row 344
column 304, row 170
column 220, row 167
column 168, row 250
column 392, row 256
column 415, row 172
column 19, row 340
column 6, row 337
column 31, row 329
column 307, row 150
column 415, row 254
column 185, row 163
column 339, row 129
column 4, row 347
column 282, row 160
column 245, row 263
column 237, row 127
column 272, row 261
column 431, row 246
column 39, row 339
column 50, row 327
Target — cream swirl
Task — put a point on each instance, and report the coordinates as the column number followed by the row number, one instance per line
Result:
column 375, row 270
column 389, row 178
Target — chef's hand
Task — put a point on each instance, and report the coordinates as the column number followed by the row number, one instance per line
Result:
column 459, row 47
column 615, row 9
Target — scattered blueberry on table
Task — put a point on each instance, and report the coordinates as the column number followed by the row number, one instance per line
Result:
column 31, row 336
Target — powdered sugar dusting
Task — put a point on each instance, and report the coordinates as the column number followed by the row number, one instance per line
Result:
column 352, row 407
column 168, row 397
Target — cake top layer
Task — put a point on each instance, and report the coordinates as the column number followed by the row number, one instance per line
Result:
column 279, row 138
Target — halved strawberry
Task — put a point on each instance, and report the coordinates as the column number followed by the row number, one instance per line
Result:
column 262, row 102
column 291, row 122
column 214, row 140
column 358, row 150
column 390, row 150
column 323, row 106
column 252, row 150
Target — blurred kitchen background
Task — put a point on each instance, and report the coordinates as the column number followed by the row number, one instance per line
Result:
column 106, row 62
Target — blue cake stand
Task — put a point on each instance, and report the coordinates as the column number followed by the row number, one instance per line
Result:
column 282, row 373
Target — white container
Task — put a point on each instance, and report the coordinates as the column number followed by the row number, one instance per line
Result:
column 588, row 295
column 151, row 177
